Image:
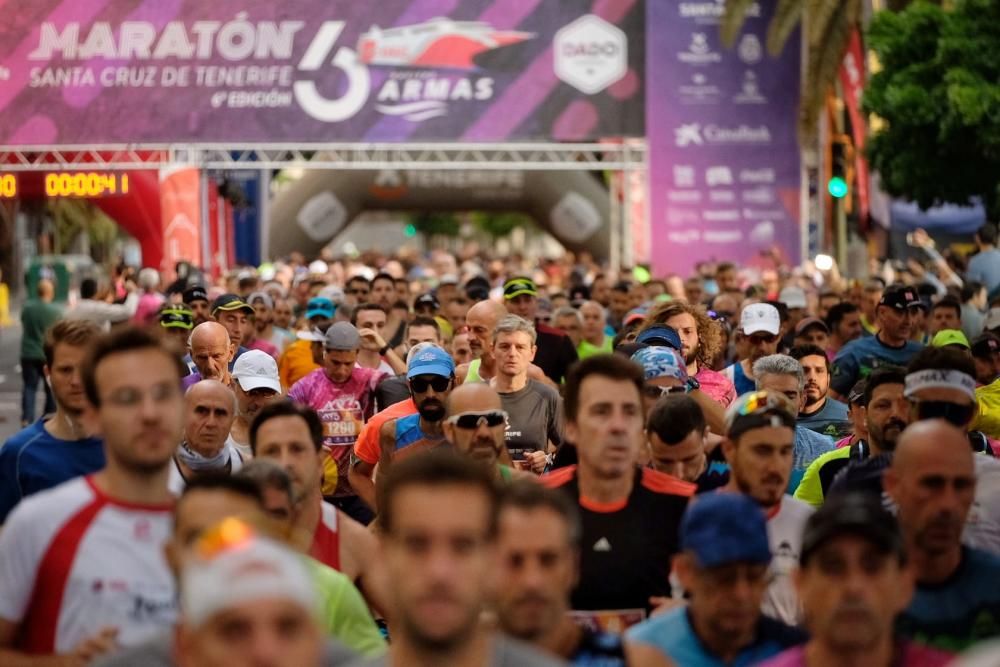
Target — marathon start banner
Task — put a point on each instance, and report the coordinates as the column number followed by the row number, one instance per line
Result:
column 724, row 168
column 190, row 71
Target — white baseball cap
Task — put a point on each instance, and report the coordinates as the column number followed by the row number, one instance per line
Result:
column 793, row 297
column 318, row 268
column 255, row 369
column 759, row 317
column 246, row 568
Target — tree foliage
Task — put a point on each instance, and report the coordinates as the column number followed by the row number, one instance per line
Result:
column 938, row 93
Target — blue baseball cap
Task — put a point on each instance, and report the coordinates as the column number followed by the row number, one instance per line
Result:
column 431, row 361
column 660, row 335
column 725, row 527
column 659, row 362
column 320, row 307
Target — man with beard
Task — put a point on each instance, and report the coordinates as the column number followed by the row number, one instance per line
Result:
column 81, row 565
column 292, row 435
column 820, row 413
column 210, row 409
column 475, row 426
column 853, row 580
column 196, row 298
column 256, row 384
column 758, row 446
column 723, row 566
column 52, row 451
column 890, row 346
column 701, row 340
column 538, row 543
column 760, row 333
column 932, row 481
column 887, row 413
column 438, row 527
column 211, row 351
column 844, row 323
column 431, row 376
column 781, row 374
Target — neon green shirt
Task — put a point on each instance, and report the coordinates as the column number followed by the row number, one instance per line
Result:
column 585, row 349
column 811, row 487
column 343, row 611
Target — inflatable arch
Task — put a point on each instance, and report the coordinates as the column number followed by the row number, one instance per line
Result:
column 573, row 206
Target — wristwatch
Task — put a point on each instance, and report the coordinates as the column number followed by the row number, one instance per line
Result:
column 692, row 384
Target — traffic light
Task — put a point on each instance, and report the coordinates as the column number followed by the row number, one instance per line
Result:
column 837, row 187
column 841, row 170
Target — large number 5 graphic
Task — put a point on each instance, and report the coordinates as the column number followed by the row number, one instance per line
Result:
column 358, row 83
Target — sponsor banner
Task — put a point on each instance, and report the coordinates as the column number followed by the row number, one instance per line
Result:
column 180, row 212
column 133, row 71
column 852, row 80
column 724, row 171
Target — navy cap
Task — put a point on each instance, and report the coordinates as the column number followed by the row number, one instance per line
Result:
column 986, row 346
column 660, row 334
column 852, row 513
column 900, row 297
column 725, row 527
column 431, row 361
column 426, row 300
column 195, row 293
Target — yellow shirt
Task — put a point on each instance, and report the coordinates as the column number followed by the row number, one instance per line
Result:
column 988, row 418
column 296, row 363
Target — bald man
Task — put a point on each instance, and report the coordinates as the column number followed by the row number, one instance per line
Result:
column 475, row 426
column 211, row 351
column 209, row 412
column 482, row 319
column 932, row 481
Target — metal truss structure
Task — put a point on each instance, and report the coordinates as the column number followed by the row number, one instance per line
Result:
column 626, row 156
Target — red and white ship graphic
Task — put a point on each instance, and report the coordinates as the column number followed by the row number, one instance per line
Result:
column 438, row 43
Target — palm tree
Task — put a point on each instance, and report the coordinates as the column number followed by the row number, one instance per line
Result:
column 827, row 24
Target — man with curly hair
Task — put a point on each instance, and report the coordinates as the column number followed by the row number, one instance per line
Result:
column 701, row 339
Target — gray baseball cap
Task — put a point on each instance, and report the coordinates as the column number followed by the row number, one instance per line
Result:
column 342, row 336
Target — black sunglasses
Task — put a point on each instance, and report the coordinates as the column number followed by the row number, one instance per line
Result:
column 765, row 339
column 420, row 383
column 472, row 420
column 953, row 413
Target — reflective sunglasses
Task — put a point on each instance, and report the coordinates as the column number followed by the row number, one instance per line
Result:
column 653, row 391
column 420, row 383
column 472, row 420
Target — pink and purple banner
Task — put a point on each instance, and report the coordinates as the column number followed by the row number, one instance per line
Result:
column 190, row 71
column 724, row 164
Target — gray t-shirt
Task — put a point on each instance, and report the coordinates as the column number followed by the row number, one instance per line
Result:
column 535, row 418
column 506, row 653
column 159, row 652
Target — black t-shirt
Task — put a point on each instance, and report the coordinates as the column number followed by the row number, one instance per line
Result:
column 625, row 550
column 390, row 391
column 535, row 415
column 555, row 352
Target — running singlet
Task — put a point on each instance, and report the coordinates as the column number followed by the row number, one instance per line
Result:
column 411, row 438
column 671, row 633
column 626, row 547
column 326, row 540
column 740, row 381
column 73, row 561
column 719, row 387
column 784, row 534
column 366, row 448
column 473, row 373
column 343, row 409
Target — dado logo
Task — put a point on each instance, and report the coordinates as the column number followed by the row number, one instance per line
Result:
column 590, row 54
column 696, row 134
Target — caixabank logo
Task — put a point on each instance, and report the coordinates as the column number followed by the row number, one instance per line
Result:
column 433, row 63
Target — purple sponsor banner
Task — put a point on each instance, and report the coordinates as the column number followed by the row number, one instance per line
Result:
column 723, row 152
column 189, row 71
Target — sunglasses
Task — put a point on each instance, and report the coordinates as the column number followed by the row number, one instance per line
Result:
column 472, row 420
column 420, row 383
column 953, row 413
column 653, row 391
column 765, row 339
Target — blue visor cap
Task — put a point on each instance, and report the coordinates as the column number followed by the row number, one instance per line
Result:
column 662, row 335
column 431, row 361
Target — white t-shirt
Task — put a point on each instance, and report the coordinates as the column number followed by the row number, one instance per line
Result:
column 982, row 528
column 176, row 482
column 73, row 561
column 784, row 533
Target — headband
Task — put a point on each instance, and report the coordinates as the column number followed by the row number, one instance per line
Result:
column 934, row 378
